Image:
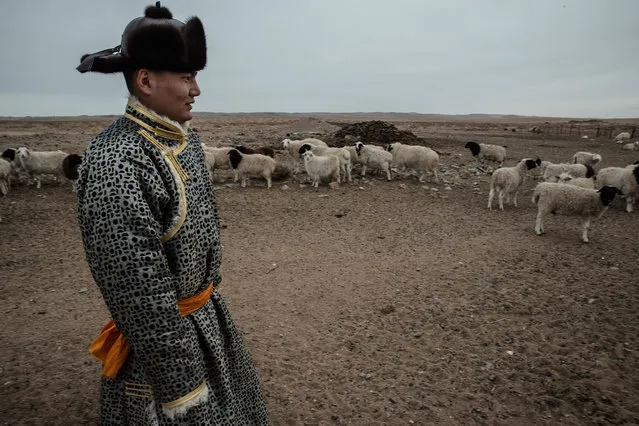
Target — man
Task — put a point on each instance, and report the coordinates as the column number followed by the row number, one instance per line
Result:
column 150, row 228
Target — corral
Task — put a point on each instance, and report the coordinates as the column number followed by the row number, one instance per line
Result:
column 374, row 303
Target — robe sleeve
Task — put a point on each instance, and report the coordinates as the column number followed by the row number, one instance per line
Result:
column 118, row 209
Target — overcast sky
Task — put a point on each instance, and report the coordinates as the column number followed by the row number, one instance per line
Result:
column 577, row 58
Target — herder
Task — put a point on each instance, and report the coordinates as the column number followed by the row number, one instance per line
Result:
column 150, row 227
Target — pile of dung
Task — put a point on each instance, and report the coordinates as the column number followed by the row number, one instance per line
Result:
column 374, row 132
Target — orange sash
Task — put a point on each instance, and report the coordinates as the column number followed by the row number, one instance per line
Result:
column 111, row 348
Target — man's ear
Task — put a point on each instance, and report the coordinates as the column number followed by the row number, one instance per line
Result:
column 143, row 81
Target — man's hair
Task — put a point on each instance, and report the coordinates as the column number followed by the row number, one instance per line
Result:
column 129, row 74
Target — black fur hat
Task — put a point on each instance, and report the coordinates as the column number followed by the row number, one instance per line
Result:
column 155, row 41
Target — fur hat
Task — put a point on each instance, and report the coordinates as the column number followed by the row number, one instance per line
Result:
column 155, row 41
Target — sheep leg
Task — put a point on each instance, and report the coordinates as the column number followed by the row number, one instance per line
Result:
column 363, row 170
column 38, row 183
column 244, row 182
column 586, row 225
column 268, row 182
column 436, row 177
column 389, row 177
column 235, row 176
column 500, row 197
column 348, row 171
column 491, row 195
column 515, row 199
column 422, row 177
column 539, row 223
column 630, row 201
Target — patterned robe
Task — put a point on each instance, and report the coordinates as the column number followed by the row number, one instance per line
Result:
column 150, row 228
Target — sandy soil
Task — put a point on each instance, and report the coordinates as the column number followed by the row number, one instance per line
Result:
column 381, row 303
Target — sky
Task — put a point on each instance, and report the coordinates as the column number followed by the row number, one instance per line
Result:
column 567, row 58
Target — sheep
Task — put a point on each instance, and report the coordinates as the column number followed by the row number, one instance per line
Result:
column 342, row 154
column 252, row 165
column 321, row 166
column 355, row 158
column 586, row 158
column 571, row 200
column 566, row 178
column 292, row 147
column 264, row 150
column 70, row 166
column 631, row 146
column 221, row 156
column 36, row 163
column 484, row 151
column 623, row 136
column 370, row 155
column 5, row 176
column 625, row 179
column 209, row 159
column 416, row 157
column 552, row 171
column 507, row 181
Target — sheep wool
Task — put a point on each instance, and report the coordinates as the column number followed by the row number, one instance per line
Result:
column 571, row 200
column 321, row 167
column 420, row 158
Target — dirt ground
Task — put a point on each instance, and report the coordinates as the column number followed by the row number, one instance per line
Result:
column 375, row 303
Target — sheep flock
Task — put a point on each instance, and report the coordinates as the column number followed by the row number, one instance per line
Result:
column 571, row 187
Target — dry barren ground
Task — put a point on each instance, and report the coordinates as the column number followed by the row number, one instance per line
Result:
column 382, row 303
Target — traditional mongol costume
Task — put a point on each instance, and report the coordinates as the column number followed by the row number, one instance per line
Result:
column 150, row 227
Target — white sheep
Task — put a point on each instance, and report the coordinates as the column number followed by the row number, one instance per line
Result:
column 221, row 156
column 586, row 158
column 631, row 146
column 5, row 176
column 566, row 178
column 488, row 152
column 623, row 136
column 625, row 179
column 373, row 156
column 292, row 147
column 252, row 165
column 571, row 200
column 507, row 180
column 209, row 159
column 342, row 154
column 552, row 171
column 321, row 166
column 420, row 158
column 37, row 163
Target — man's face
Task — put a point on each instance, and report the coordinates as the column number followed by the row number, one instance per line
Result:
column 172, row 94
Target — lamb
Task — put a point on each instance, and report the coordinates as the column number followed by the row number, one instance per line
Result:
column 552, row 171
column 507, row 181
column 484, row 151
column 321, row 166
column 264, row 150
column 623, row 136
column 5, row 176
column 416, row 157
column 567, row 179
column 631, row 146
column 36, row 163
column 571, row 200
column 370, row 155
column 292, row 147
column 342, row 154
column 252, row 165
column 625, row 179
column 586, row 158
